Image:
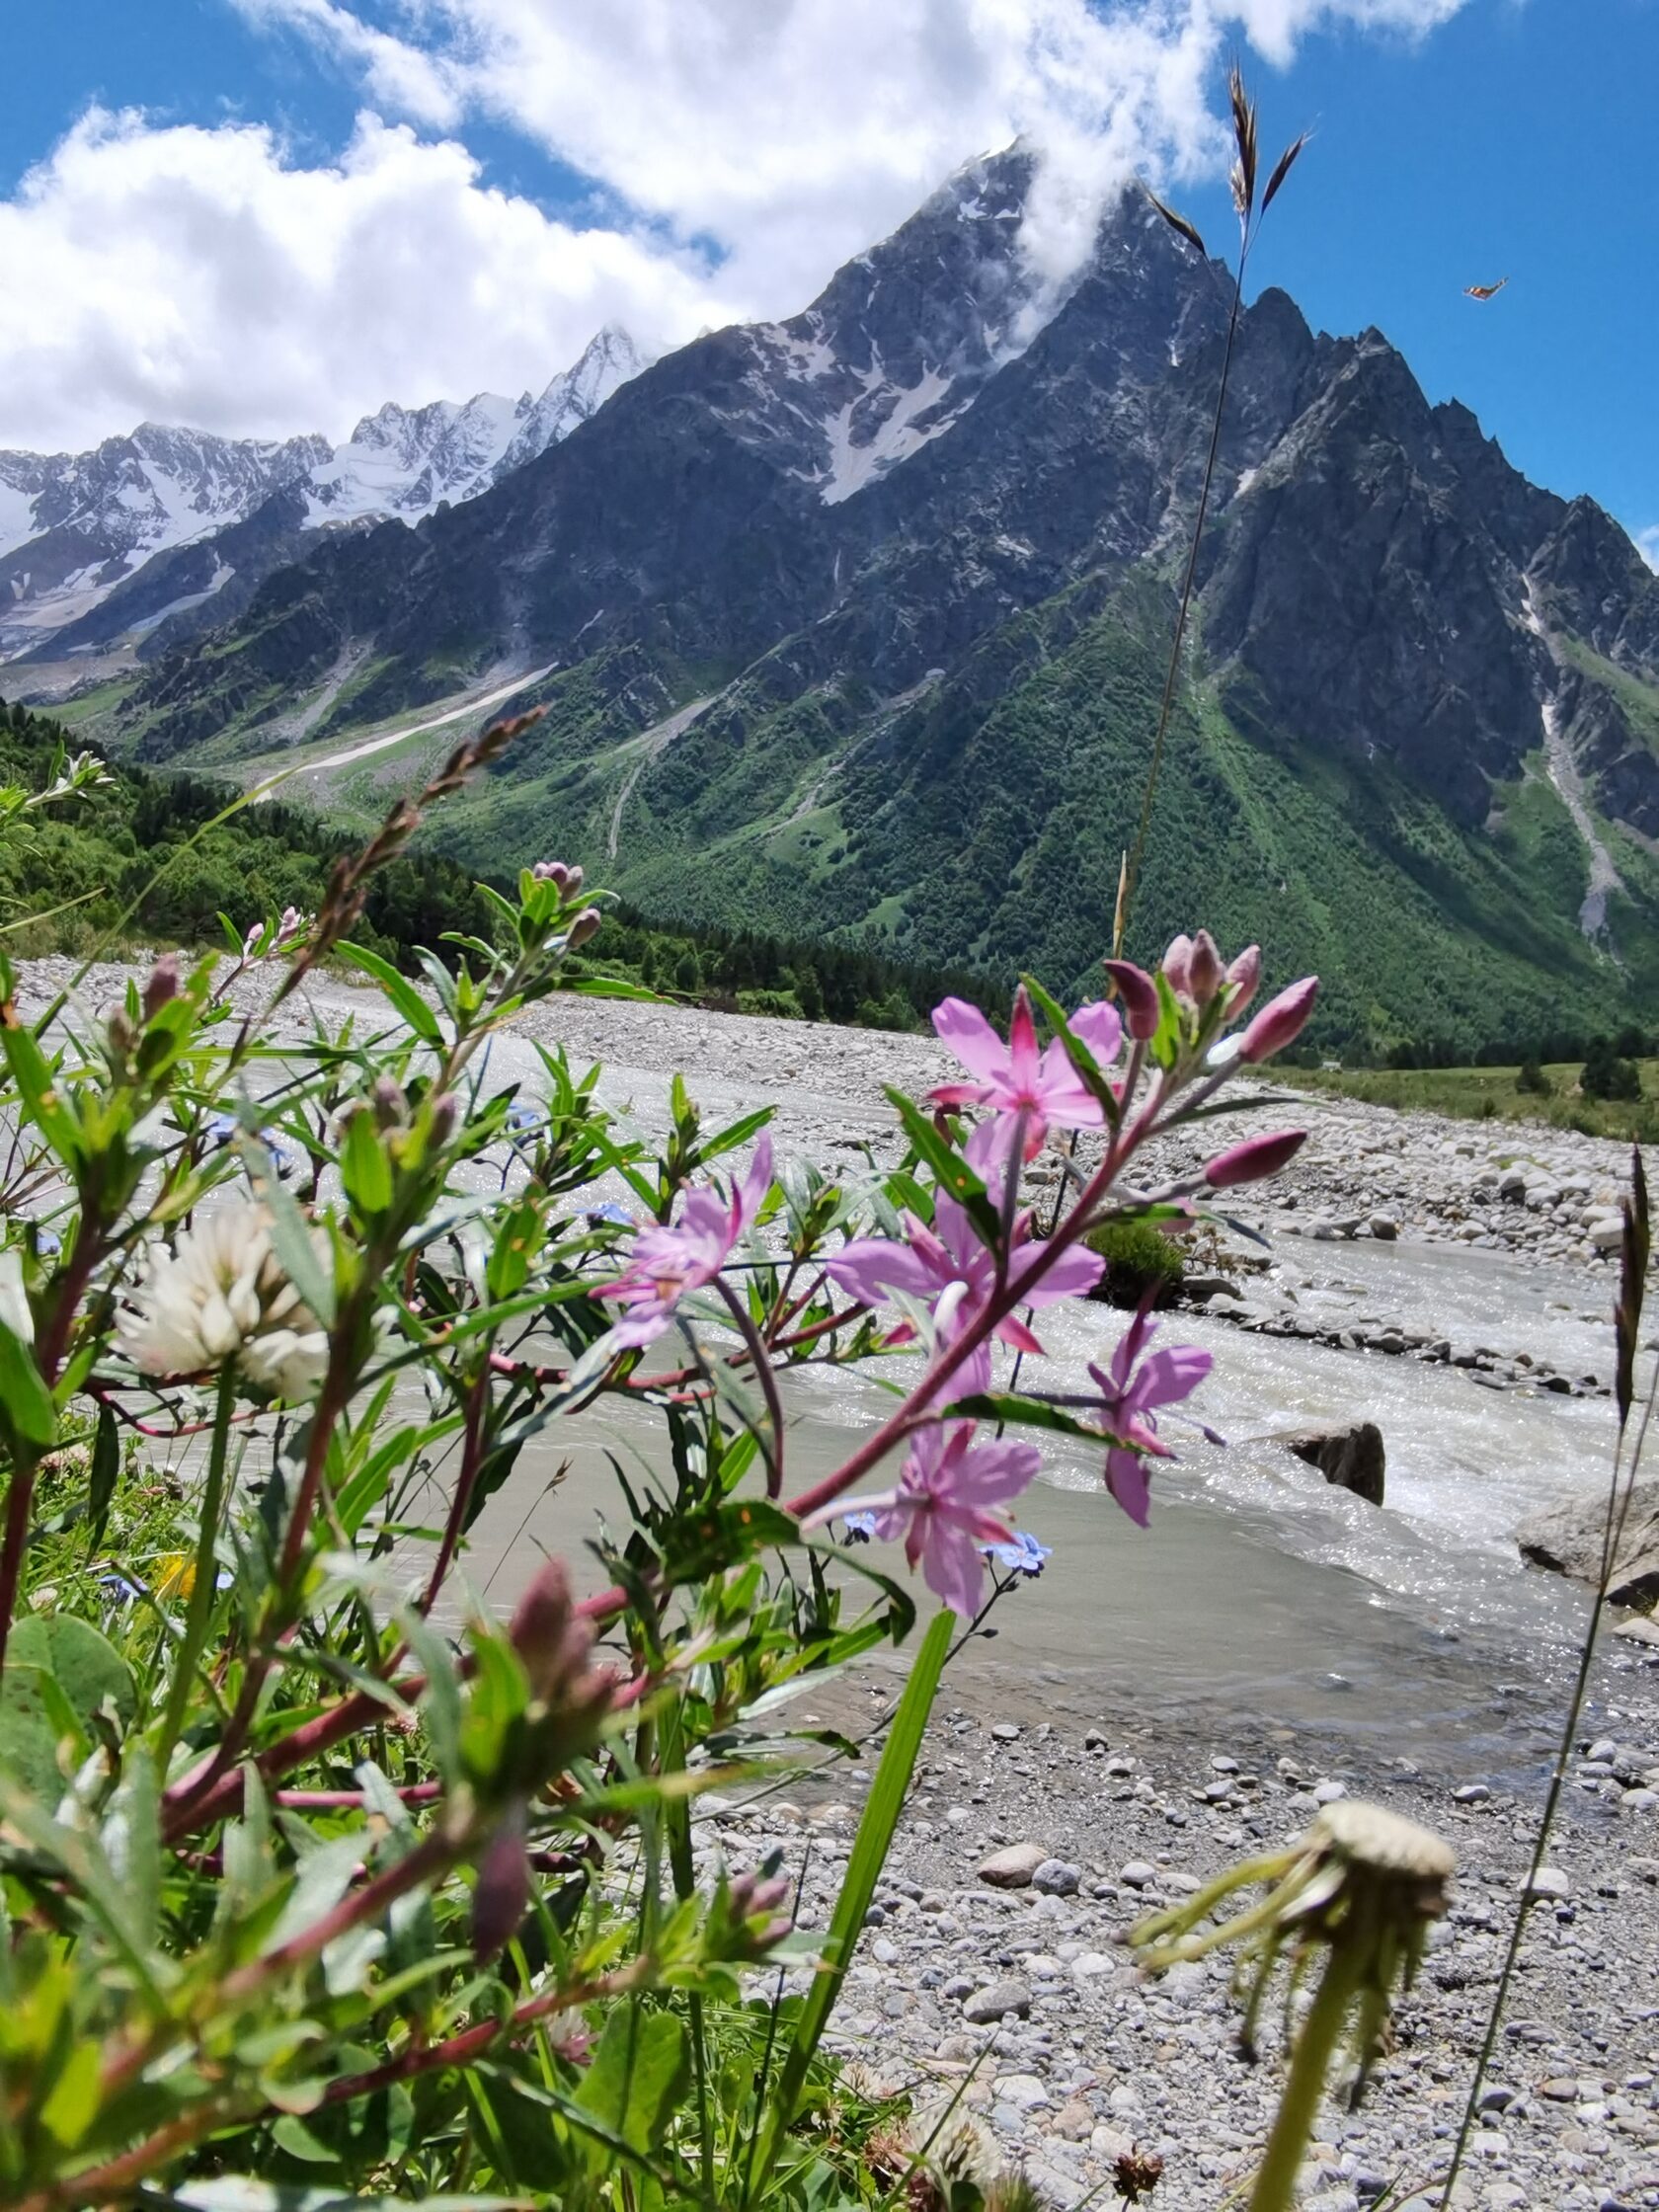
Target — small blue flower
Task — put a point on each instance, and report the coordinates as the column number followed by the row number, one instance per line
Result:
column 860, row 1528
column 221, row 1128
column 605, row 1212
column 122, row 1588
column 1021, row 1555
column 48, row 1246
column 523, row 1117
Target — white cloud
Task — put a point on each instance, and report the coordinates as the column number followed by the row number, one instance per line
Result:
column 203, row 275
column 196, row 275
column 1648, row 545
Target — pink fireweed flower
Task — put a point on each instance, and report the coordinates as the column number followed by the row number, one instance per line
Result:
column 927, row 1263
column 1019, row 1083
column 1131, row 1398
column 668, row 1261
column 942, row 1505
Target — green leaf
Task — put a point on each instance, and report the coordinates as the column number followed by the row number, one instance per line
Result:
column 80, row 1659
column 1077, row 1052
column 404, row 998
column 637, row 2073
column 290, row 1235
column 27, row 1416
column 1030, row 1413
column 952, row 1170
column 106, row 1469
column 28, row 1736
column 364, row 1169
column 49, row 1107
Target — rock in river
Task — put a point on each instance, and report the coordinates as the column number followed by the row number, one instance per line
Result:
column 1567, row 1538
column 1353, row 1458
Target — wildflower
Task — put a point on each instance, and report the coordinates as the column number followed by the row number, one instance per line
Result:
column 927, row 1262
column 668, row 1262
column 1038, row 1090
column 1255, row 1158
column 859, row 1528
column 1131, row 1396
column 224, row 1128
column 568, row 880
column 942, row 1504
column 1020, row 1554
column 1280, row 1022
column 222, row 1296
column 263, row 940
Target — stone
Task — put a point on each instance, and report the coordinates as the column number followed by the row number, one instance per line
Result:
column 1024, row 2092
column 1013, row 1868
column 1637, row 1628
column 1006, row 1732
column 1353, row 1456
column 998, row 2002
column 1566, row 1539
column 1138, row 1874
column 1074, row 2121
column 1058, row 1877
column 1551, row 1883
column 1383, row 1227
column 1472, row 1794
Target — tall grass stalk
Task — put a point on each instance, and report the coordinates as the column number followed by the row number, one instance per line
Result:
column 1632, row 1286
column 1250, row 218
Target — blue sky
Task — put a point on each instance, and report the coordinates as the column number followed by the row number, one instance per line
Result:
column 1511, row 137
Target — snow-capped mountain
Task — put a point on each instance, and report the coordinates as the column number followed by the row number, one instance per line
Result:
column 105, row 547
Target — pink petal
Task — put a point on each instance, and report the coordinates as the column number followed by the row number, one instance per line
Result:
column 750, row 1194
column 1014, row 1331
column 953, row 1569
column 971, row 1037
column 1171, row 1375
column 959, row 1094
column 873, row 1265
column 1126, row 1478
column 1022, row 1043
column 987, row 1473
column 1100, row 1028
column 1074, row 1274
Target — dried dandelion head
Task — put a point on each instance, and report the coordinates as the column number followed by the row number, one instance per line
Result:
column 1358, row 1891
column 1363, row 1881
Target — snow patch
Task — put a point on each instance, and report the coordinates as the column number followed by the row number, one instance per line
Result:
column 900, row 433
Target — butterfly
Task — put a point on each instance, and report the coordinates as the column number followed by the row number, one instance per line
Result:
column 1485, row 291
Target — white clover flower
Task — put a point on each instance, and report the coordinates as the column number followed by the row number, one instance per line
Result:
column 222, row 1296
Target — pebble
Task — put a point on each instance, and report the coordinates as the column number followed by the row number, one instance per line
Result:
column 1013, row 1868
column 996, row 2002
column 1058, row 1877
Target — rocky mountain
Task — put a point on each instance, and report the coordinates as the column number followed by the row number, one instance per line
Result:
column 137, row 537
column 856, row 623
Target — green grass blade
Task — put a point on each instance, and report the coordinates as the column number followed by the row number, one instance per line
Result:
column 874, row 1840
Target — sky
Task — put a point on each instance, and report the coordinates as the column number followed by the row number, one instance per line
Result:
column 266, row 216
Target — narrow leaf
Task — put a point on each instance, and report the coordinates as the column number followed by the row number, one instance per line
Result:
column 1286, row 163
column 1187, row 231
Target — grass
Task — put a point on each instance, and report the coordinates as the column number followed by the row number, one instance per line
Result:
column 1491, row 1094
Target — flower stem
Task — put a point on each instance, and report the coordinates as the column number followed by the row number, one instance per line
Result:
column 1299, row 2105
column 201, row 1606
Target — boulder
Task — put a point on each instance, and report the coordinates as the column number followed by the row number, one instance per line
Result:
column 1352, row 1457
column 996, row 2002
column 1567, row 1539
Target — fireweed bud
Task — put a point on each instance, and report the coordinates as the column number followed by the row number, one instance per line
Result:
column 1242, row 978
column 501, row 1896
column 122, row 1032
column 446, row 1113
column 1281, row 1021
column 391, row 1105
column 1177, row 966
column 550, row 1641
column 162, row 985
column 582, row 926
column 1255, row 1158
column 1137, row 995
column 551, row 871
column 1204, row 973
